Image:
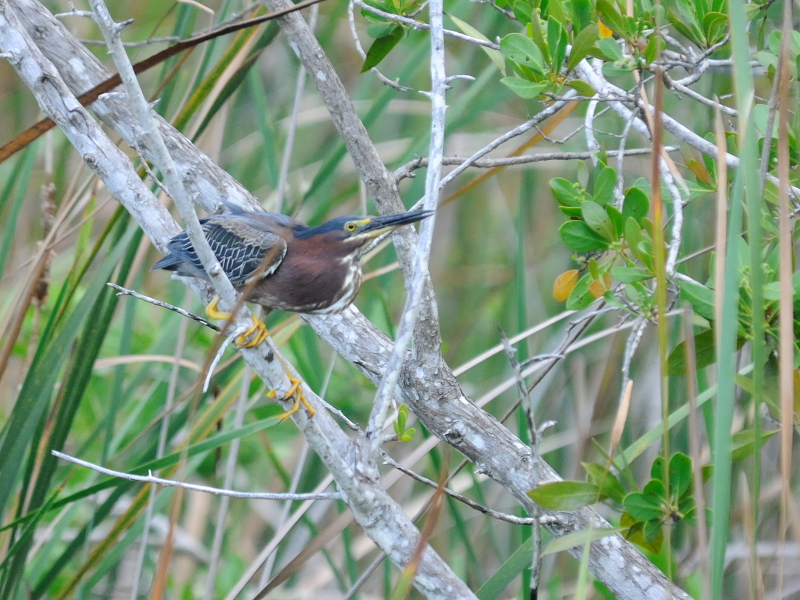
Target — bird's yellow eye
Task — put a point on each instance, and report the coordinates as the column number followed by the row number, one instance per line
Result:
column 350, row 226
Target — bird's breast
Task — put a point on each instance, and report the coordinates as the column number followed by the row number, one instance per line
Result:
column 302, row 284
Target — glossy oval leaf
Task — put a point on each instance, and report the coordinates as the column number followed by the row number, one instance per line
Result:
column 699, row 296
column 522, row 50
column 381, row 47
column 524, row 88
column 680, row 474
column 581, row 296
column 578, row 236
column 642, row 507
column 582, row 45
column 630, row 274
column 597, row 218
column 705, row 353
column 565, row 495
column 636, row 204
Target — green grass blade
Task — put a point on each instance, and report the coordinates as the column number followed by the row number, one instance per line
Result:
column 516, row 563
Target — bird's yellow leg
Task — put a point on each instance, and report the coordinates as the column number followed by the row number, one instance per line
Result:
column 250, row 338
column 297, row 391
column 213, row 311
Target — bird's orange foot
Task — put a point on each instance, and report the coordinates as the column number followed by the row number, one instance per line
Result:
column 253, row 336
column 250, row 338
column 297, row 392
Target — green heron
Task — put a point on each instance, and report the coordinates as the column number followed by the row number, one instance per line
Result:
column 282, row 263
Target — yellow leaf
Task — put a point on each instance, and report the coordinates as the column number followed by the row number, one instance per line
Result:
column 564, row 285
column 597, row 289
column 604, row 30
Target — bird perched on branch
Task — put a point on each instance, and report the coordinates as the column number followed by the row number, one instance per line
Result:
column 279, row 262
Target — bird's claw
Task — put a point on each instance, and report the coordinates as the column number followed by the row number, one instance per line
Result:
column 251, row 338
column 297, row 392
column 254, row 336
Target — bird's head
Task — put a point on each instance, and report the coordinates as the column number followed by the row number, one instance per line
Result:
column 351, row 235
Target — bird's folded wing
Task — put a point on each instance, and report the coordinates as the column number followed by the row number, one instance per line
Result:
column 244, row 249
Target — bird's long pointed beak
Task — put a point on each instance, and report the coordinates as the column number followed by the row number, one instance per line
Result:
column 379, row 225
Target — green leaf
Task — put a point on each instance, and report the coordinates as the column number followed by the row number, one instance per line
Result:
column 616, row 219
column 635, row 534
column 692, row 33
column 772, row 291
column 604, row 184
column 705, row 353
column 643, row 507
column 557, row 42
column 633, row 233
column 687, row 507
column 581, row 297
column 715, row 26
column 522, row 10
column 652, row 529
column 565, row 495
column 655, row 488
column 522, row 50
column 556, row 12
column 766, row 59
column 753, row 10
column 524, row 88
column 581, row 15
column 408, row 435
column 569, row 195
column 743, row 443
column 580, row 86
column 680, row 474
column 508, row 571
column 566, row 192
column 381, row 29
column 644, row 252
column 597, row 218
column 578, row 236
column 381, row 47
column 608, row 483
column 536, row 34
column 594, row 269
column 579, row 538
column 657, row 469
column 630, row 274
column 653, row 48
column 583, row 44
column 611, row 17
column 700, row 297
column 636, row 204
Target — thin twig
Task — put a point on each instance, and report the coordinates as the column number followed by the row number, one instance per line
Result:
column 197, row 488
column 419, row 25
column 408, row 169
column 517, row 131
column 121, row 291
column 463, row 499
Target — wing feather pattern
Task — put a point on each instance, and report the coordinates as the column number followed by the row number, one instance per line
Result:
column 241, row 245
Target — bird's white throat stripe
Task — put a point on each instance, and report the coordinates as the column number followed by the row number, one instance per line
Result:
column 352, row 283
